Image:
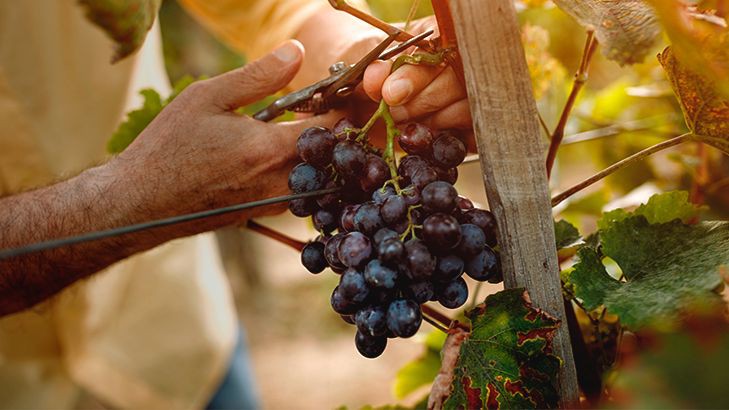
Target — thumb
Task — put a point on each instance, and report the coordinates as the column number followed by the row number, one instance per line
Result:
column 257, row 79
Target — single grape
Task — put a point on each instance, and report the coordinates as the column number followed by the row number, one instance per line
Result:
column 473, row 241
column 368, row 219
column 411, row 195
column 384, row 234
column 449, row 175
column 377, row 275
column 423, row 176
column 404, row 317
column 484, row 265
column 341, row 304
column 420, row 292
column 312, row 257
column 352, row 286
column 376, row 173
column 453, row 294
column 324, row 221
column 420, row 262
column 368, row 346
column 349, row 159
column 331, row 252
column 409, row 164
column 354, row 249
column 348, row 319
column 448, row 151
column 330, row 201
column 391, row 251
column 372, row 320
column 483, row 219
column 448, row 268
column 441, row 232
column 315, row 146
column 346, row 218
column 416, row 139
column 305, row 178
column 345, row 129
column 379, row 196
column 302, row 207
column 394, row 209
column 439, row 196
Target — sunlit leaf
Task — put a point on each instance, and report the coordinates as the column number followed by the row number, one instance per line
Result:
column 545, row 70
column 661, row 208
column 626, row 29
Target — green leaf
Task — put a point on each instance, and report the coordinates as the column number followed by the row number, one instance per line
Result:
column 422, row 370
column 126, row 22
column 137, row 120
column 507, row 362
column 566, row 234
column 627, row 29
column 660, row 208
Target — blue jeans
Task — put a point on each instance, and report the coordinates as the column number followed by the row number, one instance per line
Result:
column 237, row 391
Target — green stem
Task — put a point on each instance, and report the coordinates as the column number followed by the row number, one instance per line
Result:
column 392, row 133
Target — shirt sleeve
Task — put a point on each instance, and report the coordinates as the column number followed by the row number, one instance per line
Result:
column 254, row 27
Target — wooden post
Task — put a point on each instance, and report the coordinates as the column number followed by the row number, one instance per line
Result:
column 512, row 160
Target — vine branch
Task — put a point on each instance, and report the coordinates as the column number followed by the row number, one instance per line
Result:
column 275, row 235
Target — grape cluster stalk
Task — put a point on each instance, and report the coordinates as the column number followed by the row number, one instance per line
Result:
column 399, row 235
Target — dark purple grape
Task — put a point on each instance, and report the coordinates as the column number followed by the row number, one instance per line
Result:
column 484, row 265
column 394, row 209
column 352, row 286
column 345, row 128
column 331, row 251
column 448, row 268
column 368, row 346
column 484, row 220
column 349, row 159
column 348, row 318
column 330, row 201
column 384, row 234
column 473, row 241
column 448, row 151
column 420, row 292
column 411, row 195
column 439, row 196
column 341, row 304
column 346, row 218
column 423, row 176
column 453, row 294
column 418, row 216
column 409, row 164
column 324, row 221
column 376, row 173
column 404, row 317
column 391, row 251
column 379, row 196
column 302, row 207
column 315, row 146
column 355, row 249
column 416, row 139
column 352, row 193
column 381, row 296
column 401, row 226
column 464, row 203
column 312, row 257
column 305, row 178
column 449, row 175
column 377, row 275
column 420, row 262
column 368, row 219
column 441, row 232
column 372, row 320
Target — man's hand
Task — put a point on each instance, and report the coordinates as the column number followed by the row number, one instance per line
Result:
column 197, row 154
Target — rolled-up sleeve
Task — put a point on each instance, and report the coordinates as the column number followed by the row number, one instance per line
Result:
column 254, row 27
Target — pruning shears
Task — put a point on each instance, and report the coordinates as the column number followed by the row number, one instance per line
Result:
column 323, row 95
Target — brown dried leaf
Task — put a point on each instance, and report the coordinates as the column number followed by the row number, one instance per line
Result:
column 706, row 112
column 627, row 29
column 442, row 384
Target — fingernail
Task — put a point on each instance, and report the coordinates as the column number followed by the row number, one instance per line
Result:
column 399, row 90
column 288, row 52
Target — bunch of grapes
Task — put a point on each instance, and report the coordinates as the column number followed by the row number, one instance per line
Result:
column 398, row 236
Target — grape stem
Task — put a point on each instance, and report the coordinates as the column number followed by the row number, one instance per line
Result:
column 556, row 200
column 444, row 320
column 383, row 111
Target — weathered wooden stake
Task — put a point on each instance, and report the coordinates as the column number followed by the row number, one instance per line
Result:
column 512, row 160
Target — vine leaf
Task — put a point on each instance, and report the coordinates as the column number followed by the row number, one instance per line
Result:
column 705, row 110
column 126, row 22
column 659, row 209
column 627, row 29
column 507, row 361
column 565, row 234
column 422, row 370
column 667, row 266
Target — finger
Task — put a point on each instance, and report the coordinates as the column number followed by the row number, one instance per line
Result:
column 443, row 91
column 255, row 80
column 407, row 82
column 374, row 76
column 456, row 115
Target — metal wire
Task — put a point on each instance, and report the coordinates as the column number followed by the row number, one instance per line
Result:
column 94, row 236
